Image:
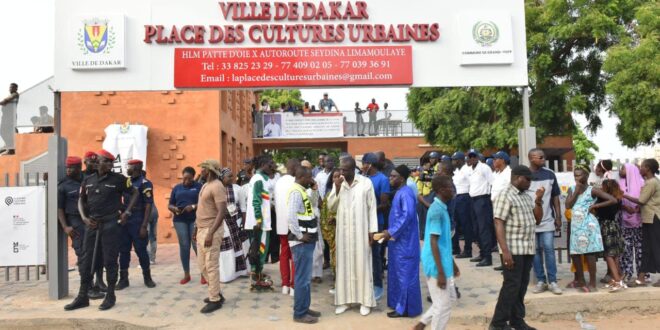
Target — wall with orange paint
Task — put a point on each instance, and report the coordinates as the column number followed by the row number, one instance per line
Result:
column 27, row 146
column 185, row 128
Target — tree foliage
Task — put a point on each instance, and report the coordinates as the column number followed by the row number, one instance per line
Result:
column 584, row 148
column 283, row 155
column 634, row 66
column 566, row 46
column 276, row 97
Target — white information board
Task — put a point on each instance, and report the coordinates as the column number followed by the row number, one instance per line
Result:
column 22, row 226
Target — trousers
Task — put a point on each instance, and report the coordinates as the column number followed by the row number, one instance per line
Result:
column 208, row 260
column 130, row 237
column 109, row 239
column 510, row 305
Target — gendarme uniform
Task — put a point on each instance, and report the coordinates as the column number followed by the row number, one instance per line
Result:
column 130, row 234
column 68, row 190
column 104, row 203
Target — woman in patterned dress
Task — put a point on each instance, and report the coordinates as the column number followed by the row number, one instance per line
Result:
column 613, row 246
column 233, row 260
column 585, row 232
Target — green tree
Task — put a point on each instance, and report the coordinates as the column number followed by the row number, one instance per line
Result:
column 566, row 43
column 276, row 97
column 634, row 66
column 283, row 155
column 583, row 146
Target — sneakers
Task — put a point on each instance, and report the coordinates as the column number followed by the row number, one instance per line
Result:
column 341, row 309
column 291, row 292
column 364, row 310
column 285, row 289
column 554, row 288
column 332, row 291
column 540, row 287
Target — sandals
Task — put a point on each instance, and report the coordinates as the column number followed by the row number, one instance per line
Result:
column 572, row 285
column 636, row 283
column 583, row 289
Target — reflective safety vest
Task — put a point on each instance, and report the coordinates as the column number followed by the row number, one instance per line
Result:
column 306, row 220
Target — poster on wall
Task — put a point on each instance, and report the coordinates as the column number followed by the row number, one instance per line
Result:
column 290, row 125
column 22, row 226
column 126, row 142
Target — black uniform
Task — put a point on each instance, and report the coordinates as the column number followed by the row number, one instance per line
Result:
column 104, row 204
column 68, row 191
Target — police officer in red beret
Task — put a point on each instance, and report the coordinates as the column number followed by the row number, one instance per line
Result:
column 100, row 206
column 134, row 231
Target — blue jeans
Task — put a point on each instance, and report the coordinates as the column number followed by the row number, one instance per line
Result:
column 303, row 256
column 184, row 231
column 545, row 243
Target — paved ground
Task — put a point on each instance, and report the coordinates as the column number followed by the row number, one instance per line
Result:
column 176, row 306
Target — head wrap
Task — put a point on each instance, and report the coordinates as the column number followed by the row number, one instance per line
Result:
column 224, row 172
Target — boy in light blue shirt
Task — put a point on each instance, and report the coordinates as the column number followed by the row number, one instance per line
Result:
column 437, row 260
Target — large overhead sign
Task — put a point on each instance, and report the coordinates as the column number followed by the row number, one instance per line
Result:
column 167, row 44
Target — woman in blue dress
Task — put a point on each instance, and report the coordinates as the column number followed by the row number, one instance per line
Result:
column 585, row 233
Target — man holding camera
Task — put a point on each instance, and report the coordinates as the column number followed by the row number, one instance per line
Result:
column 425, row 198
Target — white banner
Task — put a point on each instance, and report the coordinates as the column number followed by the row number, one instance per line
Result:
column 22, row 226
column 289, row 125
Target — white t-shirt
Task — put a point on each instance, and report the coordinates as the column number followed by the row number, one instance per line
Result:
column 127, row 142
column 321, row 180
column 282, row 188
column 462, row 179
column 480, row 180
column 501, row 181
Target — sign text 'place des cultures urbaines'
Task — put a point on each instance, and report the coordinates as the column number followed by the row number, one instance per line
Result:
column 164, row 44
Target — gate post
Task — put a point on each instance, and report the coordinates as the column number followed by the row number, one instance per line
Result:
column 57, row 257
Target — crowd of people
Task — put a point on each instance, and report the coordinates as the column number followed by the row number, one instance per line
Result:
column 325, row 105
column 361, row 222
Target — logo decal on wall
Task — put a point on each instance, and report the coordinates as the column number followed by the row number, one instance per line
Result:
column 96, row 36
column 9, row 200
column 485, row 33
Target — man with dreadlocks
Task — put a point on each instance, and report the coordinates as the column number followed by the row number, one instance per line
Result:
column 235, row 244
column 258, row 219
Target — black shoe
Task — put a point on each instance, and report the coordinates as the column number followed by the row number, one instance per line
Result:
column 464, row 255
column 476, row 259
column 108, row 302
column 222, row 299
column 313, row 313
column 523, row 326
column 211, row 307
column 307, row 319
column 428, row 298
column 394, row 315
column 79, row 302
column 99, row 282
column 458, row 293
column 123, row 280
column 506, row 327
column 485, row 263
column 499, row 268
column 95, row 293
column 146, row 274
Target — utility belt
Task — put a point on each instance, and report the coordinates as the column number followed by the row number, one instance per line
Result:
column 306, row 227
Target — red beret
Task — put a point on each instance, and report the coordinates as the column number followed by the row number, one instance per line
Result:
column 73, row 160
column 90, row 155
column 134, row 162
column 105, row 154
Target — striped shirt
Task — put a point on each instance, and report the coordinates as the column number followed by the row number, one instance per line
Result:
column 516, row 209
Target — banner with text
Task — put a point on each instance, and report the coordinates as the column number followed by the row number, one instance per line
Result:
column 289, row 125
column 157, row 45
column 22, row 226
column 292, row 67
